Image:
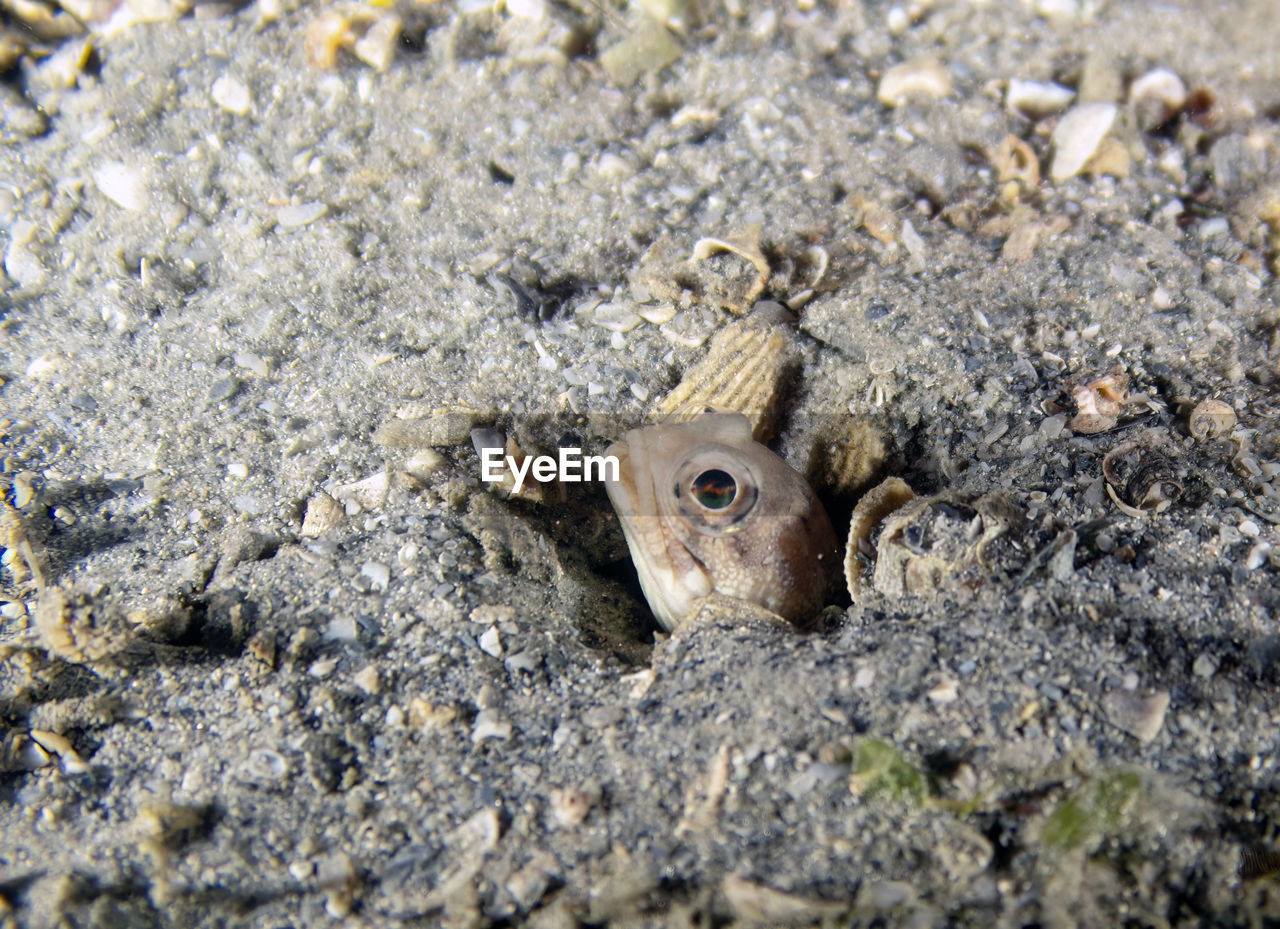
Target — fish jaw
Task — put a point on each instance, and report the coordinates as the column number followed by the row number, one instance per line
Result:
column 669, row 576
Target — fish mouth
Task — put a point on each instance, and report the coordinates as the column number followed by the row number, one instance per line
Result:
column 670, row 576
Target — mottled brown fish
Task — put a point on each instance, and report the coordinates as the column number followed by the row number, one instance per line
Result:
column 706, row 509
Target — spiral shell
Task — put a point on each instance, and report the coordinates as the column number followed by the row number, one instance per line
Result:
column 874, row 507
column 1098, row 403
column 1211, row 419
column 1140, row 480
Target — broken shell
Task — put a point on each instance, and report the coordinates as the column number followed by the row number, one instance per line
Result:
column 745, row 244
column 1014, row 160
column 1211, row 419
column 845, row 456
column 1119, row 464
column 921, row 77
column 1077, row 136
column 1098, row 403
column 1139, row 479
column 1157, row 97
column 933, row 541
column 79, row 629
column 871, row 511
column 742, row 372
column 706, row 276
column 323, row 513
column 416, row 428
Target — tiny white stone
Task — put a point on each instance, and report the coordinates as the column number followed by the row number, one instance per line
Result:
column 527, row 9
column 615, row 317
column 656, row 313
column 1214, row 227
column 43, row 366
column 489, row 725
column 1037, row 99
column 323, row 668
column 251, row 362
column 1160, row 84
column 1077, row 136
column 490, row 643
column 299, row 214
column 231, row 94
column 123, row 185
column 1057, row 10
column 613, row 167
column 341, row 629
column 897, row 20
column 1258, row 556
column 377, row 47
column 368, row 494
column 919, row 78
column 238, row 469
column 944, row 692
column 1204, row 665
column 22, row 265
column 378, row 573
column 1250, row 528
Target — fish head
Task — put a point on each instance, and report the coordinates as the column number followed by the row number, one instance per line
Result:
column 706, row 509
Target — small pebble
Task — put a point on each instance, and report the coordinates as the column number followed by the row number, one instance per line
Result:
column 323, row 668
column 921, row 78
column 367, row 494
column 251, row 362
column 377, row 47
column 944, row 693
column 1142, row 716
column 23, row 266
column 490, row 725
column 123, row 185
column 1077, row 136
column 231, row 94
column 1205, row 665
column 615, row 317
column 368, row 680
column 1037, row 99
column 223, row 389
column 1211, row 228
column 323, row 513
column 1157, row 97
column 341, row 629
column 1258, row 556
column 238, row 470
column 491, row 643
column 378, row 573
column 294, row 215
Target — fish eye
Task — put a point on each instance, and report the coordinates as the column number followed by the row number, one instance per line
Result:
column 714, row 489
